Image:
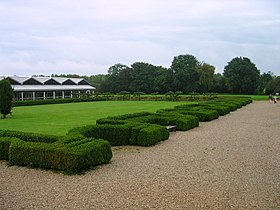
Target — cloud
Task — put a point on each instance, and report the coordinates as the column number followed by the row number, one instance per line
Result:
column 89, row 36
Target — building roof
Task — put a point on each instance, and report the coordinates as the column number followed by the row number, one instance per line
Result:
column 23, row 88
column 43, row 80
column 48, row 84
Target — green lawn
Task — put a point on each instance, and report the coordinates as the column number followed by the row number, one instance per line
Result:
column 59, row 118
column 254, row 97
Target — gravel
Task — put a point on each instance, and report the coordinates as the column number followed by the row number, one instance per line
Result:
column 229, row 163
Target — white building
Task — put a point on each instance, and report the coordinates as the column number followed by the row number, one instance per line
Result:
column 41, row 88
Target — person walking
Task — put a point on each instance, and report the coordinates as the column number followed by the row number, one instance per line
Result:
column 270, row 97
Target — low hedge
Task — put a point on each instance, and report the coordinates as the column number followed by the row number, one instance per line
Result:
column 57, row 101
column 129, row 116
column 70, row 153
column 32, row 137
column 182, row 122
column 129, row 133
column 5, row 143
column 117, row 135
column 221, row 109
column 60, row 157
column 202, row 114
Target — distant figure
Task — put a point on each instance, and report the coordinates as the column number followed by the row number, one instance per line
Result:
column 275, row 99
column 270, row 98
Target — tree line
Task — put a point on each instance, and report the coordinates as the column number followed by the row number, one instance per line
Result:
column 186, row 74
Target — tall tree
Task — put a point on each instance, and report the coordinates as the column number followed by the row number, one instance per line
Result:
column 6, row 97
column 142, row 77
column 206, row 77
column 116, row 69
column 273, row 86
column 111, row 83
column 219, row 84
column 185, row 74
column 241, row 75
column 265, row 78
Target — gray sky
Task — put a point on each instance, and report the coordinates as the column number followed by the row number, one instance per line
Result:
column 86, row 37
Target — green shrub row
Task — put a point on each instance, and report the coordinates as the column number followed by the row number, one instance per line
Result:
column 88, row 146
column 57, row 101
column 182, row 122
column 32, row 137
column 209, row 110
column 68, row 154
column 202, row 114
column 123, row 134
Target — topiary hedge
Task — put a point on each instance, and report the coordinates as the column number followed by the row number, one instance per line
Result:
column 125, row 134
column 32, row 137
column 117, row 135
column 70, row 154
column 71, row 159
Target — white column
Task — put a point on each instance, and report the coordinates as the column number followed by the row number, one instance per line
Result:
column 71, row 94
column 44, row 95
column 22, row 96
column 63, row 95
column 53, row 94
column 33, row 96
column 79, row 94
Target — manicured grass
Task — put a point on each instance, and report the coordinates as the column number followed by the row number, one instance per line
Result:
column 57, row 119
column 254, row 97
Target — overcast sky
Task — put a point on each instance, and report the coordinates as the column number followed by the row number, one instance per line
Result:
column 86, row 37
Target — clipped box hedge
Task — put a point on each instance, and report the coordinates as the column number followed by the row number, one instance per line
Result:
column 5, row 143
column 60, row 157
column 117, row 135
column 71, row 154
column 202, row 114
column 129, row 133
column 182, row 122
column 32, row 137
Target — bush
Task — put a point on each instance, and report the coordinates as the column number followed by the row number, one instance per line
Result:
column 202, row 114
column 129, row 116
column 60, row 157
column 117, row 135
column 151, row 135
column 32, row 137
column 182, row 122
column 56, row 101
column 5, row 143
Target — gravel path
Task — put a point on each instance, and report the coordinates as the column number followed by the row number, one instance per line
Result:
column 230, row 163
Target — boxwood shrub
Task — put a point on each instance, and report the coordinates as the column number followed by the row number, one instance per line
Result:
column 70, row 153
column 5, row 143
column 117, row 135
column 60, row 157
column 125, row 134
column 32, row 137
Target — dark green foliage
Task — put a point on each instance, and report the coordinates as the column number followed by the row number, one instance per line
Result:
column 6, row 97
column 182, row 122
column 71, row 154
column 242, row 76
column 185, row 75
column 129, row 116
column 5, row 143
column 57, row 101
column 117, row 135
column 221, row 109
column 273, row 86
column 60, row 157
column 202, row 114
column 151, row 135
column 125, row 134
column 109, row 121
column 32, row 137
